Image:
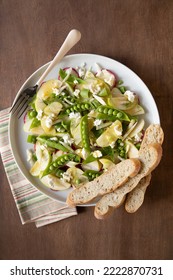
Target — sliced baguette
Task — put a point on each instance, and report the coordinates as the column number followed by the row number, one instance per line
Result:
column 136, row 197
column 106, row 183
column 150, row 158
column 153, row 134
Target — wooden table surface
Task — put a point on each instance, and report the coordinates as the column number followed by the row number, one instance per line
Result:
column 137, row 33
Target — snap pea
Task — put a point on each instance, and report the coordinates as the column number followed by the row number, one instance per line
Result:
column 35, row 123
column 32, row 114
column 71, row 77
column 32, row 139
column 77, row 108
column 91, row 174
column 121, row 148
column 89, row 159
column 59, row 173
column 122, row 89
column 85, row 133
column 109, row 113
column 53, row 144
column 60, row 162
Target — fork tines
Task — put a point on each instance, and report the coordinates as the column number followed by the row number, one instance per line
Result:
column 21, row 103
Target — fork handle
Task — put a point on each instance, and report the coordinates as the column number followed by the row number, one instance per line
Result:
column 72, row 38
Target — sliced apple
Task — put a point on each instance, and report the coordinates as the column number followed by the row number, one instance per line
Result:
column 47, row 88
column 94, row 165
column 39, row 104
column 132, row 151
column 138, row 128
column 53, row 108
column 43, row 160
column 110, row 135
column 55, row 183
column 48, row 130
column 106, row 163
column 77, row 177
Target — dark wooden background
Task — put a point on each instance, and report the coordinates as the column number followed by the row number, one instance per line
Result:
column 137, row 33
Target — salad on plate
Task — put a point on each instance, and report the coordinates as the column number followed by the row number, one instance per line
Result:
column 80, row 124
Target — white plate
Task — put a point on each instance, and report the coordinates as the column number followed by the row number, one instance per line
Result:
column 18, row 138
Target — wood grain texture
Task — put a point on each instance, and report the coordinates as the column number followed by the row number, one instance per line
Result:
column 137, row 33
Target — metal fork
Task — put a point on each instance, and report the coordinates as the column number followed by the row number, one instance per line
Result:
column 21, row 103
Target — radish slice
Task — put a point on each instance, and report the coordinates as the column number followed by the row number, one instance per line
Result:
column 25, row 117
column 107, row 76
column 73, row 71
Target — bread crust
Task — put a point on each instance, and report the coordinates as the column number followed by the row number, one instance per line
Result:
column 153, row 134
column 106, row 183
column 150, row 158
column 135, row 198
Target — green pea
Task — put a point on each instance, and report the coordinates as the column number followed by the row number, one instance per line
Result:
column 75, row 108
column 55, row 164
column 78, row 106
column 114, row 113
column 105, row 111
column 122, row 154
column 51, row 168
column 110, row 111
column 83, row 106
column 59, row 162
column 66, row 157
column 100, row 109
column 77, row 159
column 119, row 115
column 77, row 181
column 93, row 176
column 68, row 111
column 87, row 106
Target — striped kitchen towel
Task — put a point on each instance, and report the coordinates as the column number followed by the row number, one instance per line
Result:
column 32, row 205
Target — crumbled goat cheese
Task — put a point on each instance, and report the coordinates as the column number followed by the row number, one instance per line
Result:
column 51, row 182
column 59, row 91
column 94, row 88
column 67, row 139
column 97, row 154
column 29, row 154
column 73, row 115
column 58, row 129
column 112, row 145
column 39, row 115
column 56, row 91
column 138, row 136
column 84, row 153
column 107, row 76
column 117, row 130
column 97, row 122
column 53, row 138
column 81, row 72
column 49, row 122
column 66, row 176
column 42, row 147
column 76, row 92
column 99, row 99
column 130, row 95
column 98, row 67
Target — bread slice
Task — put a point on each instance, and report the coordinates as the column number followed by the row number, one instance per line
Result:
column 106, row 183
column 153, row 134
column 136, row 197
column 150, row 158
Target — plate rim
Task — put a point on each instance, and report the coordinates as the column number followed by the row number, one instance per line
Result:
column 41, row 69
